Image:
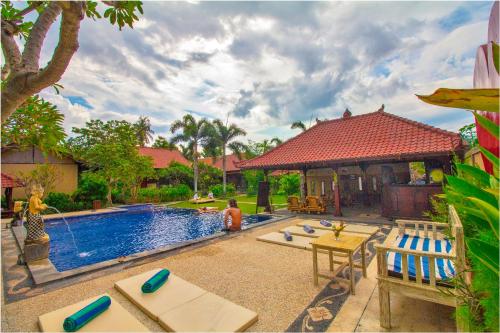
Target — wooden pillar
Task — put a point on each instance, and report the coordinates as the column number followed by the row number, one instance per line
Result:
column 336, row 193
column 8, row 198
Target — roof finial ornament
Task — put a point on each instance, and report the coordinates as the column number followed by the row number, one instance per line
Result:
column 381, row 108
column 347, row 113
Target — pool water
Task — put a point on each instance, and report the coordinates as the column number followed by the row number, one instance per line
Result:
column 141, row 228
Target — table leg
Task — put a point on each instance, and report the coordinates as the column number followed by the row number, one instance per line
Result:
column 363, row 258
column 351, row 273
column 330, row 256
column 315, row 265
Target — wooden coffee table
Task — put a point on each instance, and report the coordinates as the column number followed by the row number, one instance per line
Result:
column 346, row 244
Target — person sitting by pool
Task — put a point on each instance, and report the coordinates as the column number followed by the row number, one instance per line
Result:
column 210, row 195
column 196, row 196
column 234, row 213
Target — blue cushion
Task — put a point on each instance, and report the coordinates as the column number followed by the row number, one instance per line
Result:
column 444, row 267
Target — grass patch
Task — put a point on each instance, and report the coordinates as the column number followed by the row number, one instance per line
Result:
column 246, row 203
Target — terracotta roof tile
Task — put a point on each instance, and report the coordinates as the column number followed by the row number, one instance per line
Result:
column 163, row 157
column 231, row 161
column 9, row 181
column 372, row 136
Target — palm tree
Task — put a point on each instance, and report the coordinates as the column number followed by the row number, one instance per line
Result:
column 162, row 142
column 266, row 145
column 299, row 124
column 143, row 131
column 222, row 135
column 195, row 134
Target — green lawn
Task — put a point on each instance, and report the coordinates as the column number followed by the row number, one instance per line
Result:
column 246, row 203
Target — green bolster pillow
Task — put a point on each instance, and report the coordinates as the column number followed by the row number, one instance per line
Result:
column 156, row 281
column 80, row 318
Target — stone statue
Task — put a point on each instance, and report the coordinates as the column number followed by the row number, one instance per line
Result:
column 36, row 244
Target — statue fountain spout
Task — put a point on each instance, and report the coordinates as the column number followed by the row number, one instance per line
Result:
column 37, row 242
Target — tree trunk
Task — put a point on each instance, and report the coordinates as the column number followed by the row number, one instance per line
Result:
column 224, row 178
column 195, row 167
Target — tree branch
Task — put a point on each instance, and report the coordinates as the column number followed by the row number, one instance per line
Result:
column 72, row 14
column 11, row 52
column 31, row 53
column 30, row 8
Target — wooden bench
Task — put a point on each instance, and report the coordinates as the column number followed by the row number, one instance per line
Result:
column 417, row 286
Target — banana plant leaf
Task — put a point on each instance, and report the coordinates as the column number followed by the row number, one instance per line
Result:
column 485, row 253
column 489, row 212
column 467, row 189
column 487, row 124
column 471, row 99
column 482, row 178
column 492, row 158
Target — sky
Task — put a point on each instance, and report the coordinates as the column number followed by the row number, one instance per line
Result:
column 263, row 65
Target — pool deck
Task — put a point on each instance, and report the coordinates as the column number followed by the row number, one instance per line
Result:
column 272, row 280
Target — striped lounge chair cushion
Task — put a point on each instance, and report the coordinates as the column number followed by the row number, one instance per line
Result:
column 444, row 267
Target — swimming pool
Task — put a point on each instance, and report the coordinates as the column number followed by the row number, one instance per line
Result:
column 101, row 237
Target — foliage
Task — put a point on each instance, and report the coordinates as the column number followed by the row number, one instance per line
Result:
column 118, row 195
column 44, row 175
column 63, row 202
column 36, row 123
column 471, row 99
column 218, row 190
column 111, row 150
column 298, row 124
column 91, row 186
column 439, row 209
column 165, row 193
column 195, row 134
column 209, row 176
column 221, row 137
column 289, row 184
column 175, row 174
column 143, row 131
column 475, row 195
column 22, row 75
column 255, row 148
column 468, row 133
column 252, row 179
column 161, row 142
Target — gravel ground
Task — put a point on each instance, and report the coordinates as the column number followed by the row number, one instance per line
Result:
column 274, row 281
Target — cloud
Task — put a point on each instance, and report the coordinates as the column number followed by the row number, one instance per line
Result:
column 267, row 64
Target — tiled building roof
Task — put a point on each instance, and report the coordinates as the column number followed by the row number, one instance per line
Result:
column 9, row 181
column 231, row 161
column 375, row 136
column 163, row 157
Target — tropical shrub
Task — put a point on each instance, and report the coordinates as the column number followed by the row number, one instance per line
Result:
column 91, row 187
column 289, row 184
column 175, row 174
column 208, row 177
column 164, row 193
column 3, row 201
column 118, row 195
column 218, row 190
column 252, row 179
column 62, row 202
column 44, row 175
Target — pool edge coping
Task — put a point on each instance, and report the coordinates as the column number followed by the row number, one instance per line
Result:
column 43, row 271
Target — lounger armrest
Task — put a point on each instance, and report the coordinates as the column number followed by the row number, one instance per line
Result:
column 380, row 248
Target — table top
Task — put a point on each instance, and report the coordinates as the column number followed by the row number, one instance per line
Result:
column 344, row 243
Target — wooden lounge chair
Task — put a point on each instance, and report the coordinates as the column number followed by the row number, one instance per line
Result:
column 294, row 204
column 314, row 205
column 419, row 266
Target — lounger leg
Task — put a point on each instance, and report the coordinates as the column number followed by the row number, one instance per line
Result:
column 330, row 255
column 385, row 306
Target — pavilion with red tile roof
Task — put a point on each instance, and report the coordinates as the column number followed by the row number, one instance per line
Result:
column 370, row 155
